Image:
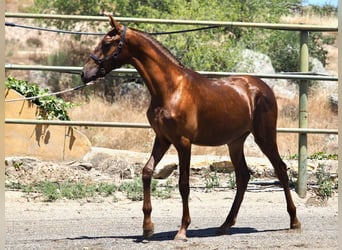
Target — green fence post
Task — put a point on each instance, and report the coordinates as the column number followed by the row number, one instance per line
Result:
column 303, row 115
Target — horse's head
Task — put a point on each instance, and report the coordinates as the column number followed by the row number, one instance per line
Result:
column 108, row 55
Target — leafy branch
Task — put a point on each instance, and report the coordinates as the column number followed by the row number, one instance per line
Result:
column 50, row 106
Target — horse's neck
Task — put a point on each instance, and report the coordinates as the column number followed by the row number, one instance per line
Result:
column 160, row 71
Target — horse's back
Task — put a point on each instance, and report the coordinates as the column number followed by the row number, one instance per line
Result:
column 253, row 82
column 258, row 90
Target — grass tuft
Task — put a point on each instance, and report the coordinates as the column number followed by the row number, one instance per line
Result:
column 53, row 191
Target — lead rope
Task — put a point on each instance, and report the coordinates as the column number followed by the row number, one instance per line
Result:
column 50, row 94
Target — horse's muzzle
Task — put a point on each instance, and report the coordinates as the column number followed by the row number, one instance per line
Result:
column 85, row 78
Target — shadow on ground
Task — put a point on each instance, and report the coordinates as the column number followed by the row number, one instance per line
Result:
column 169, row 235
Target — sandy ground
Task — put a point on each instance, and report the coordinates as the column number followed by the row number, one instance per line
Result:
column 262, row 223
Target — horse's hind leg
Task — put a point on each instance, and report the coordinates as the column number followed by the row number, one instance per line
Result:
column 242, row 176
column 265, row 136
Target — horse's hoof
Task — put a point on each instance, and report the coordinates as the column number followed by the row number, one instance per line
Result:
column 296, row 226
column 181, row 237
column 148, row 233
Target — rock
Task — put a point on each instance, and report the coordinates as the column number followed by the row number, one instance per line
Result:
column 253, row 62
column 316, row 202
column 117, row 167
column 164, row 171
column 122, row 163
column 97, row 155
column 222, row 167
column 283, row 88
column 317, row 67
column 331, row 87
column 81, row 165
column 256, row 62
column 333, row 101
column 132, row 87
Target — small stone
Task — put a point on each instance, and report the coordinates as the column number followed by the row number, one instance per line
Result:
column 165, row 171
column 222, row 167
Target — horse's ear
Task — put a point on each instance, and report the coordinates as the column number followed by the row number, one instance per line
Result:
column 113, row 23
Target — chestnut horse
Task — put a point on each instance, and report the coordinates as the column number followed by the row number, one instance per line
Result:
column 187, row 108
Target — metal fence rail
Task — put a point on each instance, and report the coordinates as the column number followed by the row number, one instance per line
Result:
column 76, row 70
column 275, row 26
column 143, row 125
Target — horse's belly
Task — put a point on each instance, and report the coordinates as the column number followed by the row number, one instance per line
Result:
column 217, row 137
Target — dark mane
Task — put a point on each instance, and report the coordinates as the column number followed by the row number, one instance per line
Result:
column 161, row 47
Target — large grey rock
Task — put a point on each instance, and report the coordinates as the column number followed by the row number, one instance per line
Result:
column 330, row 87
column 256, row 62
column 318, row 68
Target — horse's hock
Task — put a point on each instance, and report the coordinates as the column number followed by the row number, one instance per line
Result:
column 56, row 143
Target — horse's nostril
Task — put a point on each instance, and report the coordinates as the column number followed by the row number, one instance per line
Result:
column 102, row 71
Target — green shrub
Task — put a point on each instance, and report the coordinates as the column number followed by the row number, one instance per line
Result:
column 133, row 189
column 52, row 191
column 324, row 182
column 323, row 156
column 106, row 189
column 211, row 180
column 49, row 190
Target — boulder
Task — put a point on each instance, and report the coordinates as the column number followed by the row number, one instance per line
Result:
column 256, row 62
column 164, row 171
column 331, row 87
column 222, row 167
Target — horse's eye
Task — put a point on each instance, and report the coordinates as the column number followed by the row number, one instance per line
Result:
column 105, row 46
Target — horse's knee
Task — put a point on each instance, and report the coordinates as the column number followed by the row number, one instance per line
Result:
column 147, row 173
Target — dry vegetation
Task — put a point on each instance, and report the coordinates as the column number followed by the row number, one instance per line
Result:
column 320, row 116
column 123, row 110
column 310, row 18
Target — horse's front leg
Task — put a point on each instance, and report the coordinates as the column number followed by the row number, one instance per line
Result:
column 159, row 148
column 184, row 155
